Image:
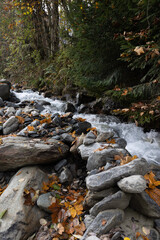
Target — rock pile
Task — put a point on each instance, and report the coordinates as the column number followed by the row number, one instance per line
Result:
column 114, row 190
column 118, row 203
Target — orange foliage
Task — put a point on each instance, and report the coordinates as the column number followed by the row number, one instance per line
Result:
column 152, row 189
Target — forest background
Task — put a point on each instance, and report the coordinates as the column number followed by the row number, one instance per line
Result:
column 107, row 47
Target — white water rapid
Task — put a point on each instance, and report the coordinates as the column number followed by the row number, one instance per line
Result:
column 146, row 145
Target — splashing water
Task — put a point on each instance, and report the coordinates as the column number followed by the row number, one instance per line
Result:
column 146, row 145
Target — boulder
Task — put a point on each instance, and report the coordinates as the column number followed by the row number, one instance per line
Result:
column 1, row 102
column 118, row 200
column 20, row 221
column 84, row 98
column 86, row 151
column 142, row 203
column 100, row 158
column 70, row 107
column 4, row 89
column 93, row 197
column 102, row 137
column 109, row 218
column 132, row 184
column 11, row 125
column 81, row 127
column 45, row 201
column 20, row 151
column 110, row 177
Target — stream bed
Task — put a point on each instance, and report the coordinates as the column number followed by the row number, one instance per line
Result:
column 146, row 145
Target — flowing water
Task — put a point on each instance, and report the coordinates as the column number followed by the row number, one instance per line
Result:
column 146, row 145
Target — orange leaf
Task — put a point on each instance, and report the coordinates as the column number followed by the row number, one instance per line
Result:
column 103, row 222
column 30, row 128
column 20, row 119
column 81, row 119
column 55, row 208
column 112, row 141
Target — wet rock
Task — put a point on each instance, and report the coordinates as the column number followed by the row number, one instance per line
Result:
column 1, row 112
column 108, row 105
column 48, row 94
column 13, row 98
column 39, row 107
column 90, row 135
column 65, row 176
column 18, row 112
column 35, row 113
column 100, row 158
column 132, row 184
column 86, row 151
column 88, row 219
column 88, row 141
column 93, row 197
column 81, row 127
column 102, row 137
column 118, row 200
column 84, row 98
column 96, row 106
column 1, row 102
column 116, row 236
column 10, row 126
column 142, row 203
column 67, row 138
column 110, row 177
column 20, row 151
column 10, row 111
column 70, row 107
column 44, row 201
column 20, row 221
column 78, row 143
column 57, row 121
column 110, row 218
column 60, row 164
column 121, row 142
column 4, row 90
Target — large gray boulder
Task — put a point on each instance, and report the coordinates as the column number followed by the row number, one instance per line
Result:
column 4, row 89
column 20, row 221
column 104, row 222
column 133, row 184
column 118, row 200
column 142, row 203
column 100, row 158
column 16, row 152
column 11, row 125
column 109, row 178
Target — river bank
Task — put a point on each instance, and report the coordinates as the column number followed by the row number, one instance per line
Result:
column 71, row 151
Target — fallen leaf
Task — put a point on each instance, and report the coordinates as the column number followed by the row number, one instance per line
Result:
column 20, row 119
column 146, row 230
column 30, row 128
column 73, row 212
column 55, row 208
column 81, row 119
column 139, row 50
column 104, row 222
column 112, row 141
column 60, row 228
column 3, row 213
column 18, row 173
